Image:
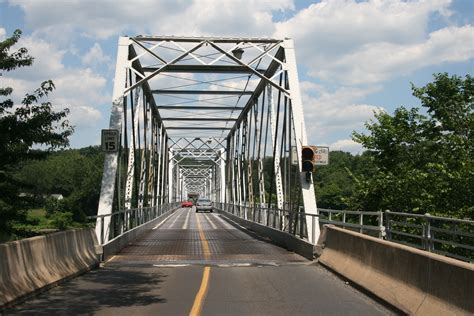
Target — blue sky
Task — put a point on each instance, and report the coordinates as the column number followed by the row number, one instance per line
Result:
column 354, row 57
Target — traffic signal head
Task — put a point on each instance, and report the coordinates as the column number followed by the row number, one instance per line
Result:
column 308, row 155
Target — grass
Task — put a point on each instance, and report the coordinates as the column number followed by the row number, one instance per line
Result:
column 36, row 224
column 38, row 217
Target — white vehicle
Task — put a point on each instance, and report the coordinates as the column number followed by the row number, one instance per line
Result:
column 203, row 204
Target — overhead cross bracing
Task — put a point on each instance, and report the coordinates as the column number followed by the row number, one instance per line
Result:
column 230, row 104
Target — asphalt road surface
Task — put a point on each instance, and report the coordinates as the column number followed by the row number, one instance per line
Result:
column 199, row 264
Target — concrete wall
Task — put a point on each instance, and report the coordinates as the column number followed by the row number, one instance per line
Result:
column 276, row 236
column 29, row 265
column 415, row 281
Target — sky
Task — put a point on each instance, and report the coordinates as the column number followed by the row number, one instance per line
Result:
column 354, row 57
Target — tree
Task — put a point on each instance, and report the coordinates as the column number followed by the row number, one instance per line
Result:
column 22, row 126
column 424, row 162
column 334, row 183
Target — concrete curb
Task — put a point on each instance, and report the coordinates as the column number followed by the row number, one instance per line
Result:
column 33, row 265
column 118, row 243
column 282, row 239
column 414, row 281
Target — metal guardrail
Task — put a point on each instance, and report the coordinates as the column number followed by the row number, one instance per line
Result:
column 447, row 236
column 370, row 223
column 125, row 220
column 283, row 220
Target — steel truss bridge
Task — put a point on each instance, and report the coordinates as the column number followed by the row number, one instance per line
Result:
column 209, row 116
column 222, row 118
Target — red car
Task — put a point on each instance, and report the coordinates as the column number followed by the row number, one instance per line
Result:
column 186, row 204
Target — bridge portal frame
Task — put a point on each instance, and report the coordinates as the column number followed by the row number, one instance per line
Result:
column 157, row 176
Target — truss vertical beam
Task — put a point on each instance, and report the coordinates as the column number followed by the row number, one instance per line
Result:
column 307, row 188
column 276, row 150
column 131, row 156
column 110, row 164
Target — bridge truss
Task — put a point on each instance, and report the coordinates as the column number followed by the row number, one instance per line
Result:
column 209, row 116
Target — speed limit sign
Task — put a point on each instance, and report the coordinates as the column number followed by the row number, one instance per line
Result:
column 110, row 140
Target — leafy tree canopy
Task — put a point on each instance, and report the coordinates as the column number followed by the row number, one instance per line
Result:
column 423, row 157
column 32, row 122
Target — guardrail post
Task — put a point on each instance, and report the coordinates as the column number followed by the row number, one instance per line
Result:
column 429, row 245
column 361, row 223
column 381, row 227
column 102, row 230
column 290, row 220
column 301, row 222
column 388, row 226
column 275, row 215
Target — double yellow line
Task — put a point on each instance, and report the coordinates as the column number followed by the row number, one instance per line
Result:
column 201, row 294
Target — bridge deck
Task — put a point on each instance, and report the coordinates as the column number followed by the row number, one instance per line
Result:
column 179, row 240
column 163, row 271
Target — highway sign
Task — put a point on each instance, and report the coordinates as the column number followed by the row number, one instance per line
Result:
column 110, row 140
column 322, row 156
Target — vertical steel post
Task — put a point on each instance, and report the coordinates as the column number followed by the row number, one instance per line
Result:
column 111, row 159
column 275, row 147
column 309, row 199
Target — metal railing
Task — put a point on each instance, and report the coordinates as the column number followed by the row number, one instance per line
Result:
column 125, row 220
column 370, row 223
column 447, row 236
column 284, row 220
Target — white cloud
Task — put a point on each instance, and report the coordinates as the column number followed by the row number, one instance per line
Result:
column 2, row 34
column 452, row 44
column 47, row 62
column 95, row 56
column 80, row 89
column 168, row 17
column 347, row 145
column 335, row 113
column 365, row 42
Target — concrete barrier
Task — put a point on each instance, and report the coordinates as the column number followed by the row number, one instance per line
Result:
column 33, row 264
column 282, row 239
column 414, row 281
column 114, row 246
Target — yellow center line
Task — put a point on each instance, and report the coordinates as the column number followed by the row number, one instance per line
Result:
column 201, row 294
column 204, row 243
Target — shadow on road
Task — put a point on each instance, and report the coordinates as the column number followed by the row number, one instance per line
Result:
column 97, row 290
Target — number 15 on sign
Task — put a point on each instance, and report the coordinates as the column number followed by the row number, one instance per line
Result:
column 110, row 140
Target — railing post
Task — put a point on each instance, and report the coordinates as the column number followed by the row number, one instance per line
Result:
column 361, row 223
column 301, row 214
column 428, row 235
column 102, row 230
column 275, row 211
column 381, row 227
column 388, row 225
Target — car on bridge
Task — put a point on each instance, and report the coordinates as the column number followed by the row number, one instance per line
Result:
column 186, row 204
column 203, row 204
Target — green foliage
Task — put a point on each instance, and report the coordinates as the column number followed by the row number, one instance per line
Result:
column 334, row 183
column 53, row 205
column 32, row 122
column 423, row 162
column 62, row 220
column 74, row 173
